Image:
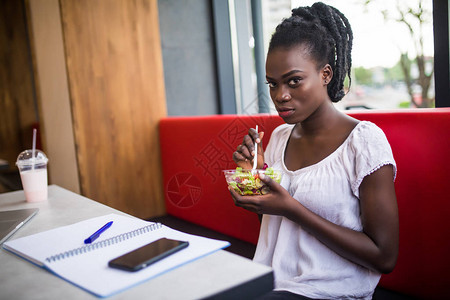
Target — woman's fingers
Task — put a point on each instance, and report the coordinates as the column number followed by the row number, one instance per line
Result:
column 244, row 154
column 245, row 151
column 254, row 135
column 272, row 184
column 250, row 203
column 241, row 161
column 249, row 144
column 261, row 135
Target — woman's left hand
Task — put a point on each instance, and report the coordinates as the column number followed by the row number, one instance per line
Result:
column 276, row 202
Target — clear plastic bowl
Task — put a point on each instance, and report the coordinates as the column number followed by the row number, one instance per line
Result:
column 247, row 182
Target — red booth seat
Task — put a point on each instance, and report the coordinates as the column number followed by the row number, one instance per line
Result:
column 195, row 150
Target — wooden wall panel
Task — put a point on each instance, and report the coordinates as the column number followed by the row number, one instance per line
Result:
column 116, row 84
column 52, row 92
column 17, row 105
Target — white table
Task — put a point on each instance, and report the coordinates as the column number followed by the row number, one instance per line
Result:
column 221, row 275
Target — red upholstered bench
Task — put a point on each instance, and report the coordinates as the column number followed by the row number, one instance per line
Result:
column 195, row 150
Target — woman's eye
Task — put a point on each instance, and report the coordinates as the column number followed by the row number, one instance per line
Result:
column 294, row 81
column 271, row 84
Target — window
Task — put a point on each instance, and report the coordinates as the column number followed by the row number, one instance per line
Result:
column 393, row 51
column 386, row 51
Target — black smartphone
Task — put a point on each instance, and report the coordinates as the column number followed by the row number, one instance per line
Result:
column 147, row 255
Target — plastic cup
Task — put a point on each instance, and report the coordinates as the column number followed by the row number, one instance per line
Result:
column 33, row 173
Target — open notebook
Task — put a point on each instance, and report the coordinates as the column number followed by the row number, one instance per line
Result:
column 63, row 252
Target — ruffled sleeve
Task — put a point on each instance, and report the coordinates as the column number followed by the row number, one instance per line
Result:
column 371, row 151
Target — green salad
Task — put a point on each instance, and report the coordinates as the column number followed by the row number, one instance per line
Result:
column 246, row 182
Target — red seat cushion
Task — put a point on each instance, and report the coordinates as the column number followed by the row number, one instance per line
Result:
column 195, row 150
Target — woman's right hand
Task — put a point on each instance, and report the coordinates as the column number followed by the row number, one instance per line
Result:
column 244, row 154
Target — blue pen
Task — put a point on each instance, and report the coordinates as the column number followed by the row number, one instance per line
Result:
column 96, row 234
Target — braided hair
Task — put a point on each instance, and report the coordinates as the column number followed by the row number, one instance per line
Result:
column 328, row 38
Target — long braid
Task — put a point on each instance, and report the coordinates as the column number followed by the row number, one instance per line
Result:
column 329, row 37
column 340, row 29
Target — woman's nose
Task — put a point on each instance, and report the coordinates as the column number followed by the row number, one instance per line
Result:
column 282, row 95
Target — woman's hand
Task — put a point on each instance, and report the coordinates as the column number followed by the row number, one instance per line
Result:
column 276, row 202
column 244, row 154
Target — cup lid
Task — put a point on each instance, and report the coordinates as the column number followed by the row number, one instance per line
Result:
column 26, row 158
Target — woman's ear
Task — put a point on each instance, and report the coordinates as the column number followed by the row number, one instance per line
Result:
column 327, row 74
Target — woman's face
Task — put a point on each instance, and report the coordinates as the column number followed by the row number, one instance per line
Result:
column 297, row 88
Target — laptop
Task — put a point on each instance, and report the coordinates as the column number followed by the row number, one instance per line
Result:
column 13, row 220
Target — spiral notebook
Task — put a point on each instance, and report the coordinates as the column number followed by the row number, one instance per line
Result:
column 63, row 252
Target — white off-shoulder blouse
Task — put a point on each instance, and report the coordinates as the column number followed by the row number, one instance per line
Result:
column 329, row 188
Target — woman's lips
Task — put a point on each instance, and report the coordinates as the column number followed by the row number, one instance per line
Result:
column 285, row 113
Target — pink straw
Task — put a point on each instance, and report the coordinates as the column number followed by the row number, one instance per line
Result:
column 34, row 146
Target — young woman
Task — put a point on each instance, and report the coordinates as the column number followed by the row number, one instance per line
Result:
column 331, row 227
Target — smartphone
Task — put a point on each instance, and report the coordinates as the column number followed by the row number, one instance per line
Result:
column 147, row 255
